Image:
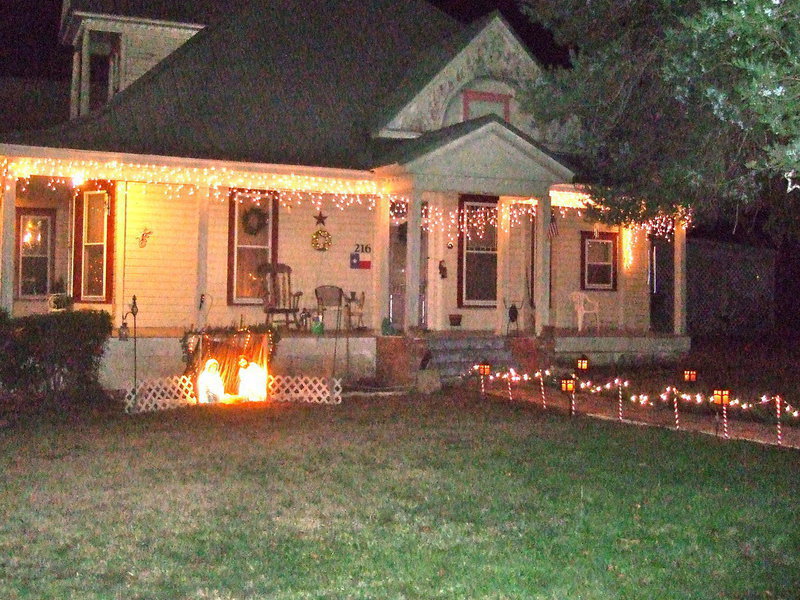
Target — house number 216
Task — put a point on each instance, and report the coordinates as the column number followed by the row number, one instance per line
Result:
column 363, row 248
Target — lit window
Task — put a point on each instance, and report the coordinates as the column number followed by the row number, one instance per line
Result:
column 598, row 261
column 252, row 236
column 93, row 255
column 478, row 252
column 35, row 236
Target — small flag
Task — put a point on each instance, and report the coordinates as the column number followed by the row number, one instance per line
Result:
column 552, row 230
column 356, row 262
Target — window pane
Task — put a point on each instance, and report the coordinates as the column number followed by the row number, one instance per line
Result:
column 248, row 282
column 34, row 275
column 253, row 223
column 481, row 228
column 598, row 275
column 598, row 251
column 35, row 236
column 481, row 276
column 95, row 218
column 93, row 271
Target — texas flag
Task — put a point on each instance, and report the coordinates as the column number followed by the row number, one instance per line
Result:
column 356, row 262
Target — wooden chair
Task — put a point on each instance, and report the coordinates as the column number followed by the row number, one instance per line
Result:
column 279, row 300
column 355, row 312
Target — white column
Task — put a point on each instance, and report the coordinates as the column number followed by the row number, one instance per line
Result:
column 75, row 88
column 525, row 274
column 503, row 263
column 202, row 299
column 412, row 260
column 380, row 263
column 7, row 240
column 541, row 259
column 85, row 74
column 679, row 261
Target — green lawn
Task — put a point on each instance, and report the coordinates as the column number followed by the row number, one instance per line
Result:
column 440, row 497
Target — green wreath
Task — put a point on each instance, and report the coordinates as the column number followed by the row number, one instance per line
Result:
column 254, row 219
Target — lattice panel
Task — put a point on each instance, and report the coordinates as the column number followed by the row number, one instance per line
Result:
column 301, row 388
column 160, row 394
column 174, row 392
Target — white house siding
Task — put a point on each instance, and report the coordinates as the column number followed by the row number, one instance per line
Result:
column 625, row 308
column 143, row 48
column 163, row 273
column 310, row 268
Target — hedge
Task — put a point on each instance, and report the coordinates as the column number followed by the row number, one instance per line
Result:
column 53, row 352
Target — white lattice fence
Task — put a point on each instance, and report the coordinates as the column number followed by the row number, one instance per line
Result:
column 174, row 392
column 160, row 394
column 301, row 388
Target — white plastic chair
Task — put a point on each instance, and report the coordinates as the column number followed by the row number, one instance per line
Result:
column 585, row 306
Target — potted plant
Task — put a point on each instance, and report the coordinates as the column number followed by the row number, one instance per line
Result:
column 455, row 320
column 59, row 300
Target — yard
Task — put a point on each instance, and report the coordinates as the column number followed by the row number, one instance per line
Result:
column 449, row 496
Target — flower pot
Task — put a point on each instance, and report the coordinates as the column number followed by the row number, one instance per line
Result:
column 455, row 320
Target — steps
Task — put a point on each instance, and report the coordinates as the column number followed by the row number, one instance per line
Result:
column 454, row 357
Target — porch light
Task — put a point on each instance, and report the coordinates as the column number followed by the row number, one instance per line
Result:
column 582, row 364
column 567, row 384
column 689, row 375
column 721, row 397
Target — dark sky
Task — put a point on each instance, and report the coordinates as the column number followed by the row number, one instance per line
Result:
column 29, row 34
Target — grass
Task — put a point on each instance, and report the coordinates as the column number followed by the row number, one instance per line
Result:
column 440, row 497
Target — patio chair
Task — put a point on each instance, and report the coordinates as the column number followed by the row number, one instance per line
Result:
column 585, row 306
column 330, row 297
column 355, row 311
column 279, row 299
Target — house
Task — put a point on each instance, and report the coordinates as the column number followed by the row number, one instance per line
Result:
column 378, row 146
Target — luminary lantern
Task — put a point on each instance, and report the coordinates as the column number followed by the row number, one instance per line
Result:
column 721, row 397
column 567, row 384
column 582, row 364
column 689, row 375
column 484, row 369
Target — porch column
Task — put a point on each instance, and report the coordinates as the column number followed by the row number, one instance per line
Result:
column 412, row 259
column 202, row 299
column 525, row 274
column 380, row 263
column 503, row 263
column 7, row 240
column 541, row 261
column 679, row 261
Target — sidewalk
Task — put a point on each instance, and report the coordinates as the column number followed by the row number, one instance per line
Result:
column 606, row 407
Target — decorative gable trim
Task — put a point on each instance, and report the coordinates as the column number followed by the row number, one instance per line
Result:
column 495, row 53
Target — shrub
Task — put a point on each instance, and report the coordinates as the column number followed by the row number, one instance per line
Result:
column 53, row 352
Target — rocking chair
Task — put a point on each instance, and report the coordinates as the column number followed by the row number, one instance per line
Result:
column 279, row 300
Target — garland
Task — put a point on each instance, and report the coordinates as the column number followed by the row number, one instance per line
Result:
column 254, row 219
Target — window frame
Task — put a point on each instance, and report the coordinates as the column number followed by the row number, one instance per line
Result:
column 21, row 213
column 604, row 237
column 271, row 197
column 469, row 96
column 464, row 201
column 79, row 225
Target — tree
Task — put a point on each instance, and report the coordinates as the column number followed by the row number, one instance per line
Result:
column 665, row 113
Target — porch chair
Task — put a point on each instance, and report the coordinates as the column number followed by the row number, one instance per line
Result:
column 279, row 300
column 330, row 297
column 585, row 306
column 355, row 312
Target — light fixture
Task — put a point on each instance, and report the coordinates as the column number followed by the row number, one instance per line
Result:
column 567, row 384
column 689, row 375
column 582, row 364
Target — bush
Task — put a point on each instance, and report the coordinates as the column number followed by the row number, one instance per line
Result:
column 53, row 352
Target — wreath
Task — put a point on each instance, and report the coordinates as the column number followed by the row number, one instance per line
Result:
column 321, row 240
column 254, row 219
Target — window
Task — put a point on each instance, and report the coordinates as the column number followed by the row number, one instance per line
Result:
column 35, row 251
column 252, row 242
column 477, row 265
column 598, row 261
column 478, row 104
column 94, row 235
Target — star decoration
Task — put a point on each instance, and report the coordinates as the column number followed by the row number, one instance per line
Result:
column 320, row 219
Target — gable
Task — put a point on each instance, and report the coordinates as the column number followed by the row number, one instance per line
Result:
column 483, row 156
column 493, row 60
